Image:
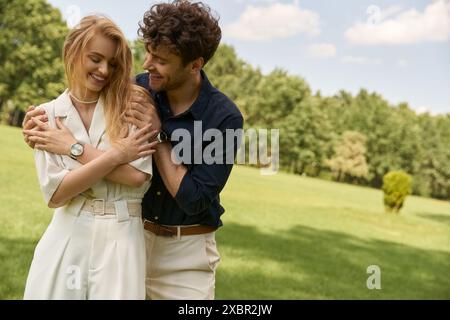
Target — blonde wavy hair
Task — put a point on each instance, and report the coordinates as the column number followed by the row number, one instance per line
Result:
column 117, row 93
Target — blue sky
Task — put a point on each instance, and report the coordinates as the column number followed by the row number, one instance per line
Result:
column 400, row 49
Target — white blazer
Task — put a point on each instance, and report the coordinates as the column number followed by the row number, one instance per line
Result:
column 51, row 168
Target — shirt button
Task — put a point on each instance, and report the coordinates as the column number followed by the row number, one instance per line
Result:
column 156, row 218
column 158, row 193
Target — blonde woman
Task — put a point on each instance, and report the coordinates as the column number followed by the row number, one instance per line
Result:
column 95, row 175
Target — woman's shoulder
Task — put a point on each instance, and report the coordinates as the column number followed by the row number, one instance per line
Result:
column 50, row 106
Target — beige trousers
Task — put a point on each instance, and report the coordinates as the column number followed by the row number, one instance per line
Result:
column 181, row 268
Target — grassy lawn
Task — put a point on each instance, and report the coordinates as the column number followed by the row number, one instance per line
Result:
column 284, row 236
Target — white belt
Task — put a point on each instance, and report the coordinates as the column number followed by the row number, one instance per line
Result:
column 121, row 207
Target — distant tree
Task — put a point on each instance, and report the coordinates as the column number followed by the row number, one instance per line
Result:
column 305, row 138
column 236, row 78
column 225, row 65
column 371, row 115
column 434, row 172
column 407, row 139
column 31, row 69
column 349, row 160
column 276, row 97
column 139, row 52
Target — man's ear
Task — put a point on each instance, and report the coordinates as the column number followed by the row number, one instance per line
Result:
column 197, row 65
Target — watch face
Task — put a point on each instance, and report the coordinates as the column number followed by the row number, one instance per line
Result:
column 162, row 136
column 76, row 149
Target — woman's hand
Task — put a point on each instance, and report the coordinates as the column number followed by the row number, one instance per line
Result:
column 55, row 140
column 136, row 145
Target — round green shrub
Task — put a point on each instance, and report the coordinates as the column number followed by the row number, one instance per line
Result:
column 396, row 186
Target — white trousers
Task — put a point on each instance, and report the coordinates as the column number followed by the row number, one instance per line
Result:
column 179, row 269
column 89, row 257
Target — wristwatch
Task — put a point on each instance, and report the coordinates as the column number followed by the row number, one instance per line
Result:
column 162, row 137
column 76, row 150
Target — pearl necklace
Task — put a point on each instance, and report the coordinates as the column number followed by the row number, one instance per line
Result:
column 81, row 101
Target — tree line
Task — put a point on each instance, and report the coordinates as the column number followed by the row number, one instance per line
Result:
column 347, row 138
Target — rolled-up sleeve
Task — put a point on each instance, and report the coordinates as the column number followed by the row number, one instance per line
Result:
column 50, row 173
column 143, row 164
column 202, row 183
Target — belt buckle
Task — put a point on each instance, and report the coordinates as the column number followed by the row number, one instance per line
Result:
column 95, row 207
column 164, row 231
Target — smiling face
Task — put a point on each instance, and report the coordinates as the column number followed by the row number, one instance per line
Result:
column 97, row 65
column 166, row 70
column 97, row 61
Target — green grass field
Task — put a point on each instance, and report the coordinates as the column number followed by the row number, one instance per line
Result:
column 284, row 236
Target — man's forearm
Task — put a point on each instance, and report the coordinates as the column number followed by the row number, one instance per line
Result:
column 172, row 174
column 123, row 174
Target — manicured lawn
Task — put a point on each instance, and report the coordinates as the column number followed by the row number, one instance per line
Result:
column 284, row 236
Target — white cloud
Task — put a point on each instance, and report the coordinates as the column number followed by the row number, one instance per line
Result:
column 375, row 14
column 406, row 27
column 277, row 20
column 322, row 50
column 389, row 11
column 360, row 60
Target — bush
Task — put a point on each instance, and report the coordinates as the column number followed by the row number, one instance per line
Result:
column 396, row 186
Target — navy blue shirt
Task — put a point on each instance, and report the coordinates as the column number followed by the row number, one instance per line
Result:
column 197, row 200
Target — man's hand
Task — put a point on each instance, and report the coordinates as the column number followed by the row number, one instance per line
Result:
column 28, row 124
column 55, row 140
column 143, row 111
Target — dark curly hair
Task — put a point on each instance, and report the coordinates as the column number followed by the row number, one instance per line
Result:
column 188, row 29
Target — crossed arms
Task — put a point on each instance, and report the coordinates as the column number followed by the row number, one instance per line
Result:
column 193, row 190
column 111, row 164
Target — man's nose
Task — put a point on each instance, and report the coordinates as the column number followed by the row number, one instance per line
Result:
column 148, row 63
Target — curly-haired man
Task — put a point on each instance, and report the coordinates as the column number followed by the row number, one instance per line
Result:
column 182, row 208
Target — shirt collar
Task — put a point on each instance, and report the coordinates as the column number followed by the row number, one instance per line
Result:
column 199, row 105
column 64, row 104
column 64, row 109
